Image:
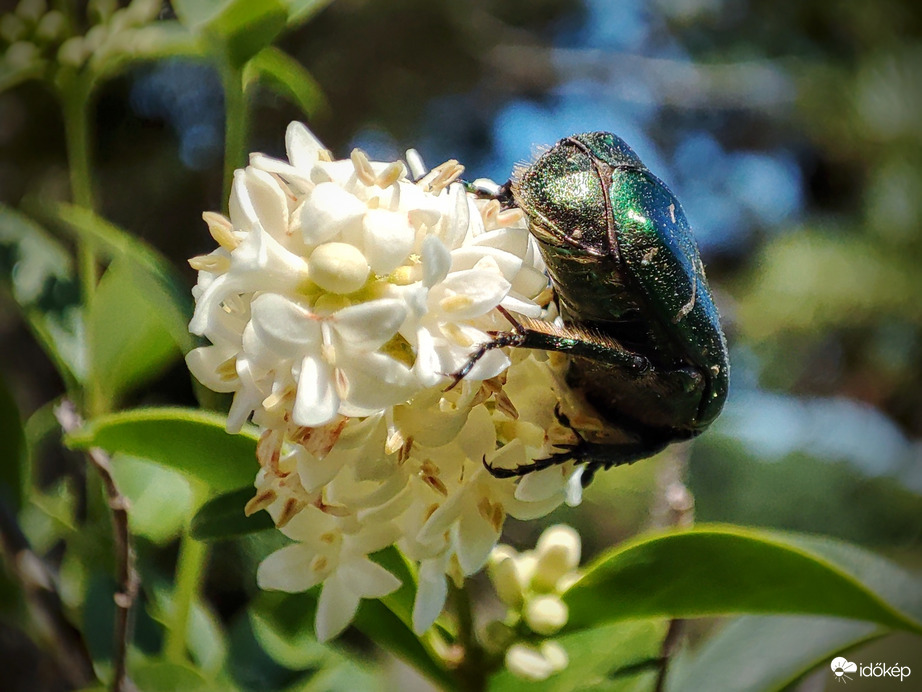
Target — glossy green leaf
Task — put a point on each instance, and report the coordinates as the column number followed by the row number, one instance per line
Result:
column 164, row 289
column 717, row 570
column 161, row 500
column 619, row 657
column 13, row 458
column 161, row 676
column 129, row 336
column 290, row 616
column 288, row 78
column 767, row 653
column 222, row 517
column 40, row 275
column 245, row 27
column 300, row 11
column 193, row 442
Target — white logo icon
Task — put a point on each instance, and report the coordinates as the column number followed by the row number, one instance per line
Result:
column 841, row 666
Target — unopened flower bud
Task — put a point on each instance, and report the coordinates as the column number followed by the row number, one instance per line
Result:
column 528, row 663
column 546, row 614
column 505, row 576
column 21, row 54
column 338, row 267
column 12, row 28
column 558, row 552
column 52, row 26
column 31, row 10
column 72, row 52
column 144, row 11
column 497, row 636
column 554, row 654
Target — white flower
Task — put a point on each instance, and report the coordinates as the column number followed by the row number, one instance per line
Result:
column 341, row 298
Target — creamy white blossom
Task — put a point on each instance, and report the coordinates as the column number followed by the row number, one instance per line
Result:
column 341, row 298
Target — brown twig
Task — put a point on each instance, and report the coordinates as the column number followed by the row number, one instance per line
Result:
column 128, row 579
column 65, row 642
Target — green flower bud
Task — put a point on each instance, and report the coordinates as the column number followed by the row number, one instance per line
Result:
column 558, row 553
column 546, row 614
column 505, row 576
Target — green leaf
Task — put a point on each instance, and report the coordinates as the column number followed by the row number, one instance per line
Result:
column 39, row 272
column 222, row 518
column 160, row 499
column 767, row 653
column 161, row 676
column 129, row 336
column 719, row 570
column 165, row 290
column 300, row 11
column 616, row 657
column 288, row 78
column 193, row 442
column 289, row 616
column 245, row 27
column 14, row 457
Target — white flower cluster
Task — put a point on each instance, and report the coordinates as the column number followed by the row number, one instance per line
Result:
column 340, row 298
column 530, row 585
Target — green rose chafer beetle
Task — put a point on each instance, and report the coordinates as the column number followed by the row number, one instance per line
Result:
column 646, row 353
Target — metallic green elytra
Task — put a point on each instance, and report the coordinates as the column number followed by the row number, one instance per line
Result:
column 646, row 351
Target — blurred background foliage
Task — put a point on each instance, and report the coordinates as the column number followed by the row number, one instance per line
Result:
column 789, row 129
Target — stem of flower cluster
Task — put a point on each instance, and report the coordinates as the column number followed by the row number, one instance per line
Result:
column 472, row 672
column 190, row 569
column 236, row 126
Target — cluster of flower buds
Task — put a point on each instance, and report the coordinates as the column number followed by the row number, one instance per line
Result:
column 530, row 585
column 342, row 297
column 34, row 34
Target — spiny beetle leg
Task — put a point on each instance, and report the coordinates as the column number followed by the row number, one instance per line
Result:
column 500, row 339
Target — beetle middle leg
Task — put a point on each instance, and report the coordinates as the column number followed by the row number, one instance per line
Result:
column 570, row 339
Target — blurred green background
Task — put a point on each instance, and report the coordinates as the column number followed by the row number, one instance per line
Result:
column 789, row 129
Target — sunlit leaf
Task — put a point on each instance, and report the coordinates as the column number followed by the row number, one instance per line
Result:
column 40, row 274
column 160, row 499
column 193, row 442
column 787, row 648
column 301, row 11
column 222, row 517
column 164, row 288
column 287, row 77
column 245, row 27
column 717, row 570
column 129, row 336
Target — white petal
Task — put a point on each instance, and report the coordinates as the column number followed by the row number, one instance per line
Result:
column 427, row 367
column 455, row 224
column 367, row 326
column 298, row 179
column 335, row 608
column 368, row 579
column 203, row 363
column 316, row 401
column 375, row 381
column 302, row 146
column 289, row 569
column 430, row 594
column 475, row 538
column 388, row 239
column 436, row 260
column 283, row 326
column 263, row 201
column 541, row 485
column 467, row 294
column 330, row 211
column 469, row 257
